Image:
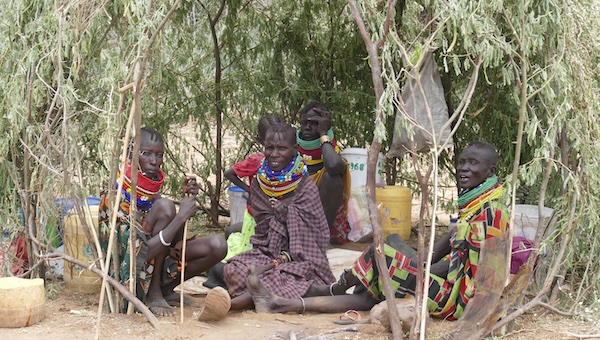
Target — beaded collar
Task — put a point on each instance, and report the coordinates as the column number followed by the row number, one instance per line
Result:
column 276, row 184
column 470, row 201
column 311, row 149
column 147, row 188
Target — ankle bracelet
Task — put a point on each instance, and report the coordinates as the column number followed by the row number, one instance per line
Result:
column 303, row 305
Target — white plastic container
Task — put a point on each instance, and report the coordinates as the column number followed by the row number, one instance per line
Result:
column 237, row 204
column 527, row 218
column 357, row 163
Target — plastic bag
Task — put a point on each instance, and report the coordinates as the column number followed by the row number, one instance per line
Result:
column 415, row 107
column 361, row 229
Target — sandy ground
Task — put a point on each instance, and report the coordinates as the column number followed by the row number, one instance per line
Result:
column 73, row 316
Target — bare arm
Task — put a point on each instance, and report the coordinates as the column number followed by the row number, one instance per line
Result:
column 333, row 162
column 230, row 175
column 440, row 268
column 187, row 209
column 441, row 248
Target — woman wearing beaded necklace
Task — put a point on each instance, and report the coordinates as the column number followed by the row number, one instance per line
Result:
column 481, row 216
column 327, row 168
column 158, row 230
column 292, row 235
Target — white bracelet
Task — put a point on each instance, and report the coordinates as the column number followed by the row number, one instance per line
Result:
column 162, row 240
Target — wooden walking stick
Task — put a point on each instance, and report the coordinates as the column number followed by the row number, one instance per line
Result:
column 183, row 248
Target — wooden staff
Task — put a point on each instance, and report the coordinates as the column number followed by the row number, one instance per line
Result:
column 183, row 248
column 151, row 318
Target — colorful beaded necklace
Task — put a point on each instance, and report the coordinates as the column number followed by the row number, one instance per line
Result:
column 311, row 149
column 147, row 188
column 276, row 184
column 470, row 201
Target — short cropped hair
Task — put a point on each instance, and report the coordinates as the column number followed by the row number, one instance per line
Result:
column 313, row 105
column 286, row 129
column 488, row 148
column 264, row 123
column 154, row 136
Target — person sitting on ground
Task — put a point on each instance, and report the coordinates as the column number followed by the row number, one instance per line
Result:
column 327, row 168
column 159, row 230
column 238, row 235
column 292, row 235
column 482, row 216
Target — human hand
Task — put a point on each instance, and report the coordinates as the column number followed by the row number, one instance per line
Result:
column 188, row 206
column 323, row 120
column 190, row 186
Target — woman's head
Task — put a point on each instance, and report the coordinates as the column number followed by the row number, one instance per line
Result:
column 264, row 123
column 476, row 163
column 308, row 126
column 151, row 152
column 280, row 145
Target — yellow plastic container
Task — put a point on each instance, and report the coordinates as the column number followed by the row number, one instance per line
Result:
column 395, row 205
column 76, row 244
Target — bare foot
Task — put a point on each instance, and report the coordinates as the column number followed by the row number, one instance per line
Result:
column 346, row 280
column 160, row 307
column 264, row 301
column 174, row 300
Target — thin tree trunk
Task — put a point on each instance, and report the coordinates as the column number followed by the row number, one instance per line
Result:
column 373, row 153
column 216, row 191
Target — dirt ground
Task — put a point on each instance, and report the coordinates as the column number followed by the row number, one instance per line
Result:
column 73, row 316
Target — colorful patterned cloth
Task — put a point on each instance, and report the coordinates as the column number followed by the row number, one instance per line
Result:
column 447, row 296
column 143, row 268
column 275, row 184
column 295, row 224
